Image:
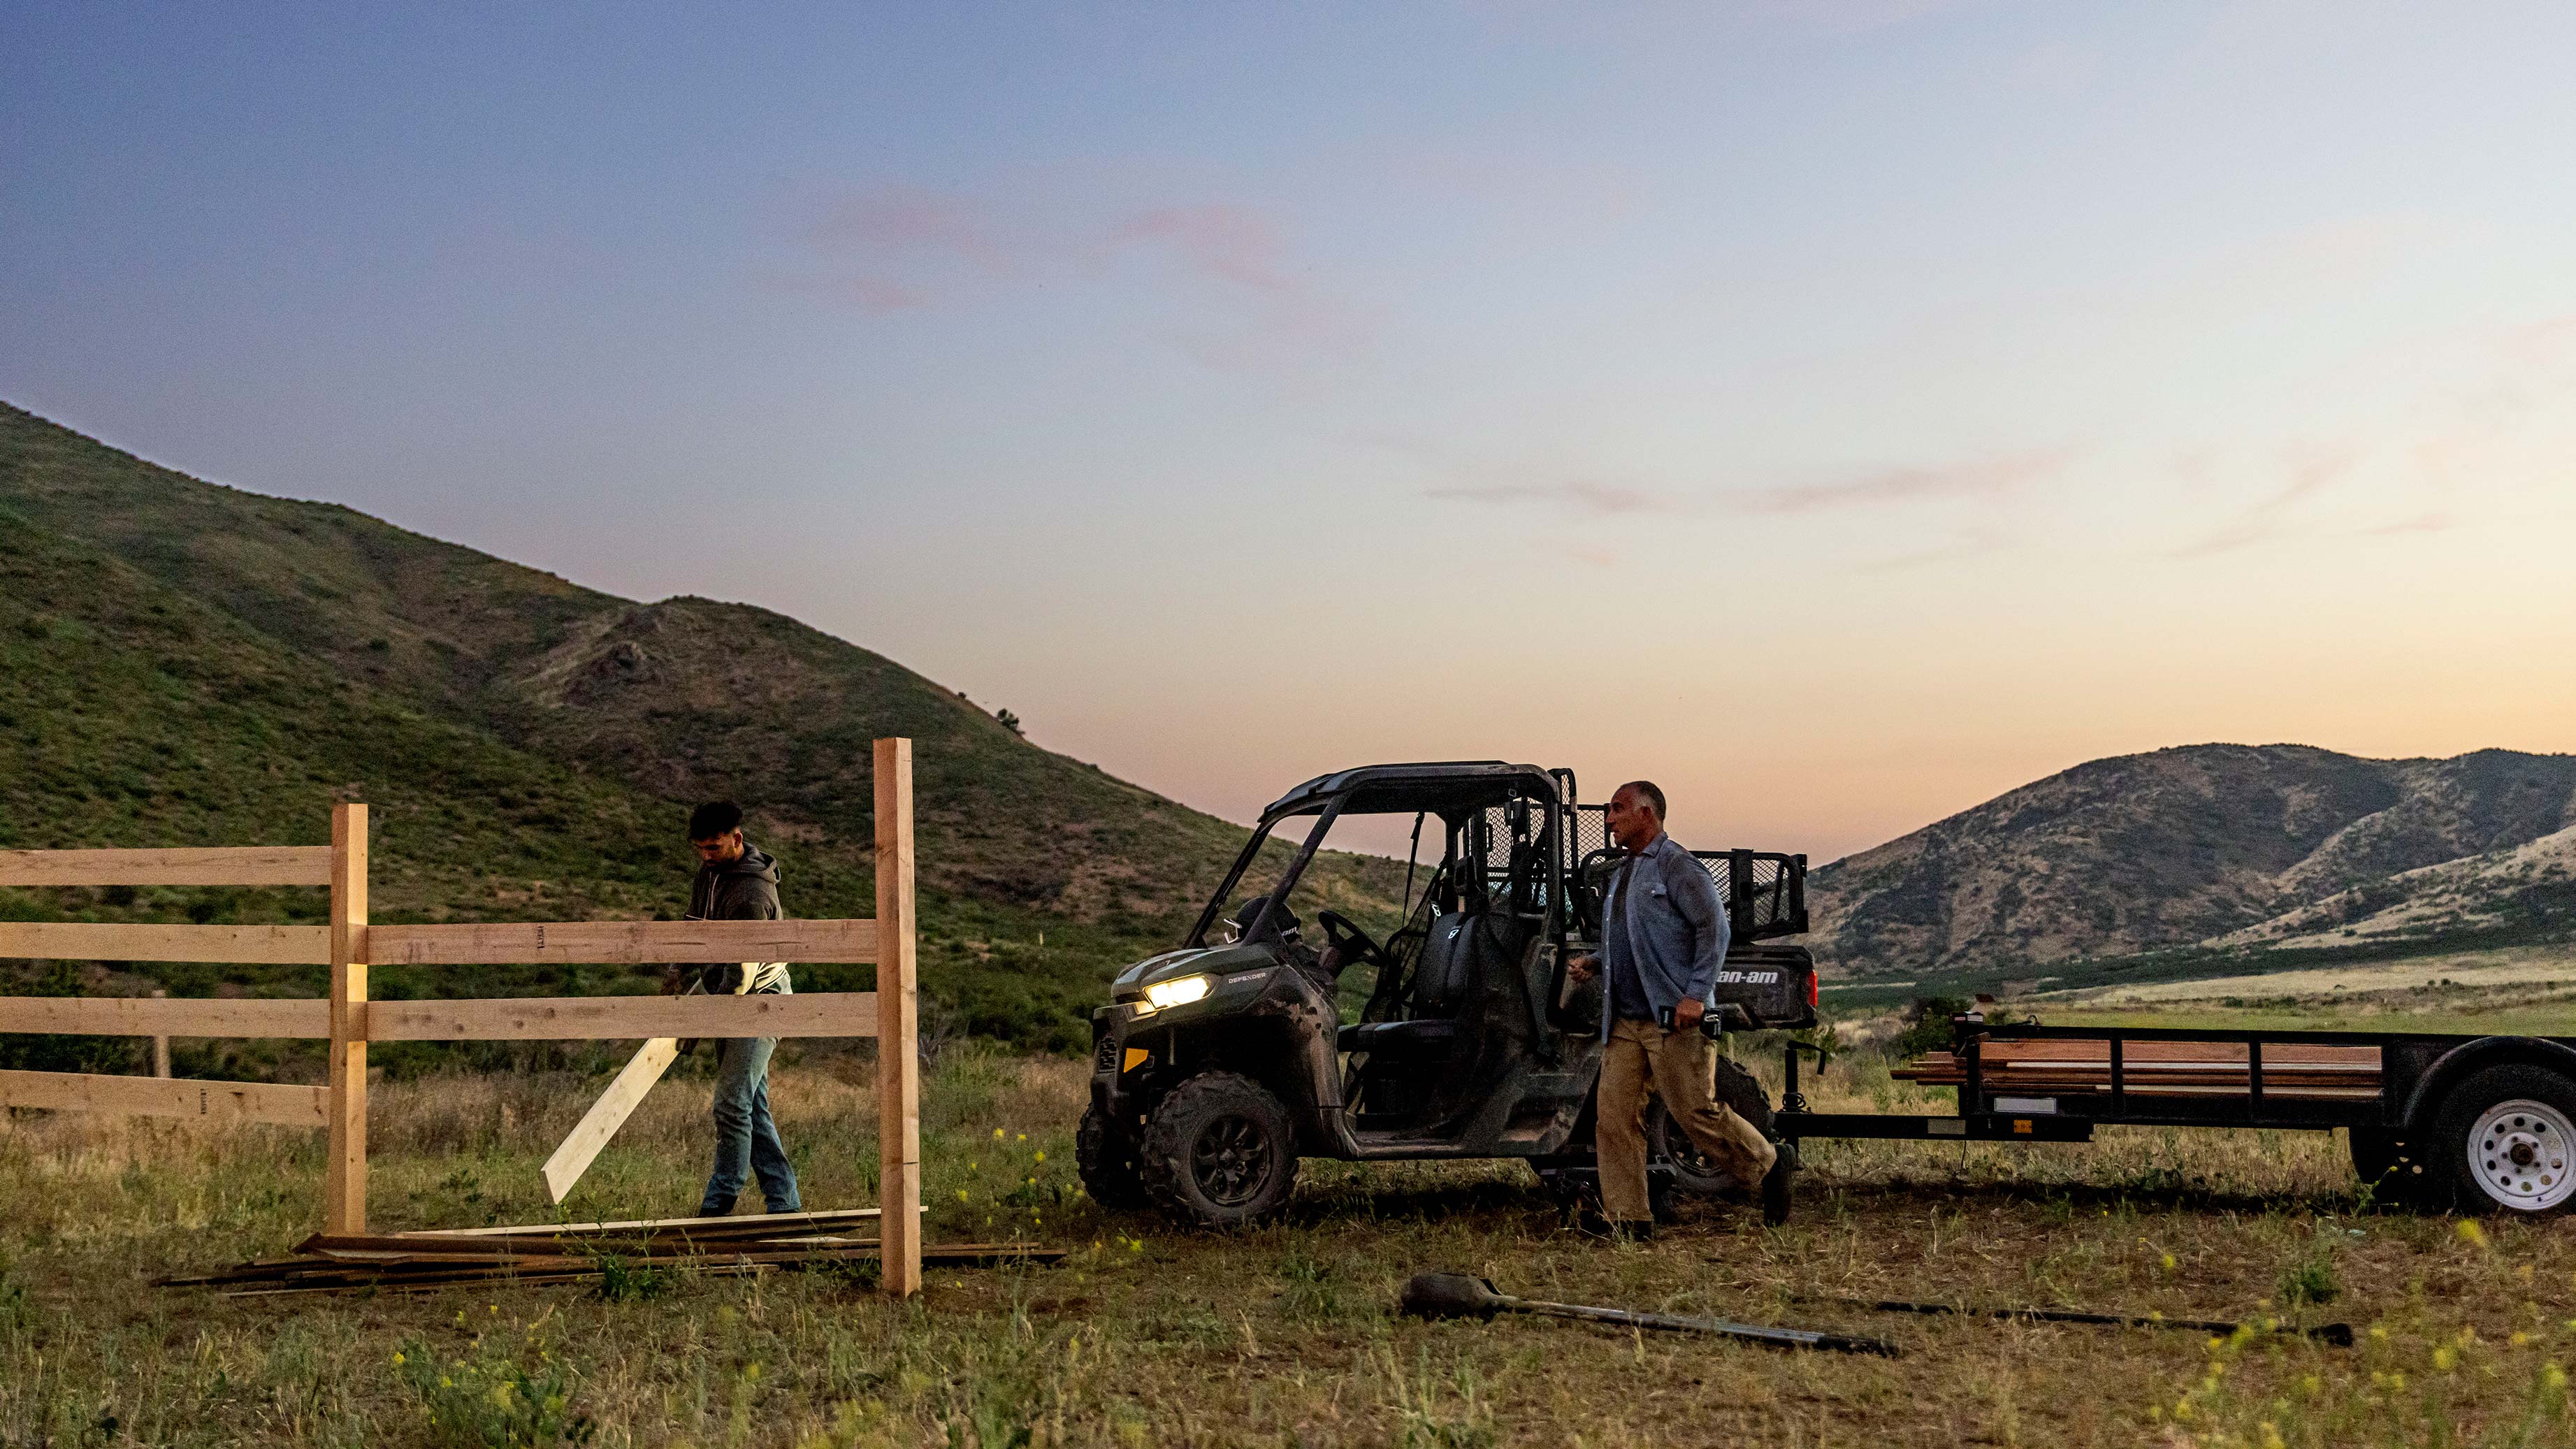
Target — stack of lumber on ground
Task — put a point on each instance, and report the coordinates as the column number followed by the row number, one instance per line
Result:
column 2046, row 1068
column 573, row 1252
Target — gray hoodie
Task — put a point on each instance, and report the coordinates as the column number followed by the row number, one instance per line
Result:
column 743, row 889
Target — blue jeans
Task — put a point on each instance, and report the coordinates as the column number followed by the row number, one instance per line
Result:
column 745, row 1137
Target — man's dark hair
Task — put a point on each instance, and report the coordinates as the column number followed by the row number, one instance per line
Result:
column 1653, row 792
column 714, row 818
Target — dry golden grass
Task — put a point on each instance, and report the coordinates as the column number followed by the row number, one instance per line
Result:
column 1280, row 1336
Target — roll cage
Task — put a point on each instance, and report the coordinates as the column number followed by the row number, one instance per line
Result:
column 1510, row 822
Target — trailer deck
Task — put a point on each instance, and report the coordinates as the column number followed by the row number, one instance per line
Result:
column 2435, row 1119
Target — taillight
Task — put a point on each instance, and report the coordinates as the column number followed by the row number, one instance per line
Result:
column 1811, row 988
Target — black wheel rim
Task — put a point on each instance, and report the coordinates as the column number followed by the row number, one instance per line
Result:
column 1686, row 1158
column 1232, row 1161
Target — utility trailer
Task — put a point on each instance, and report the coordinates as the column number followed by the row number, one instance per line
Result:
column 2435, row 1120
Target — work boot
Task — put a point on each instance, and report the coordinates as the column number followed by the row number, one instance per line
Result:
column 1775, row 1187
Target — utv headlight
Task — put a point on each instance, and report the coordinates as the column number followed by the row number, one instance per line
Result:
column 1167, row 994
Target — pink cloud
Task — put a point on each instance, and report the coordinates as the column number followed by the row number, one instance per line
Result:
column 2267, row 519
column 1987, row 478
column 1229, row 243
column 903, row 223
column 895, row 248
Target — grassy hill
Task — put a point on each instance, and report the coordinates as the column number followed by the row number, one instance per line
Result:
column 2216, row 850
column 184, row 663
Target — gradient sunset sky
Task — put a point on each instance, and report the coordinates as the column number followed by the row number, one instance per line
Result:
column 1840, row 412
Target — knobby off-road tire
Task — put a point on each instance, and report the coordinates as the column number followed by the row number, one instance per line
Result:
column 1111, row 1172
column 2507, row 1136
column 1666, row 1142
column 1220, row 1151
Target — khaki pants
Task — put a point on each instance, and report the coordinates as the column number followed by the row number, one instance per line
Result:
column 1682, row 1065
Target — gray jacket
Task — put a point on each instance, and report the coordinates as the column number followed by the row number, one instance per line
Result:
column 1666, row 910
column 745, row 889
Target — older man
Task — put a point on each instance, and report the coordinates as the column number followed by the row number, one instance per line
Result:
column 1663, row 938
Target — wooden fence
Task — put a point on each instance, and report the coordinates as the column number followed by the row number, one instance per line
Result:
column 349, row 1020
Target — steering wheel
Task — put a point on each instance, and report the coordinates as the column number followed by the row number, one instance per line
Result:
column 1349, row 942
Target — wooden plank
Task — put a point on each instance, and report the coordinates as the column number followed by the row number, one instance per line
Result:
column 625, row 1018
column 344, row 1187
column 743, row 1222
column 630, row 943
column 573, row 1157
column 304, row 1019
column 212, row 1103
column 134, row 941
column 230, row 865
column 898, row 1024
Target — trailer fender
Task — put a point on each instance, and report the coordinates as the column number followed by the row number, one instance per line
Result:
column 2457, row 1064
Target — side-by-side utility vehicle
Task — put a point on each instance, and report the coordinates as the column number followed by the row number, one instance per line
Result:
column 1459, row 1034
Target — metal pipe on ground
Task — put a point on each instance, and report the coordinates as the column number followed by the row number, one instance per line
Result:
column 2337, row 1334
column 1457, row 1295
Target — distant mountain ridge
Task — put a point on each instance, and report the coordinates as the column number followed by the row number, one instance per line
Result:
column 187, row 663
column 2215, row 847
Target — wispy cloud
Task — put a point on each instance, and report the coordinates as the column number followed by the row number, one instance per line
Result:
column 2268, row 517
column 1971, row 544
column 1227, row 243
column 1592, row 500
column 896, row 248
column 890, row 224
column 1989, row 478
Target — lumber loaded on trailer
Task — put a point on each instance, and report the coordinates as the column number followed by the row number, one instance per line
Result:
column 2158, row 1069
column 2435, row 1120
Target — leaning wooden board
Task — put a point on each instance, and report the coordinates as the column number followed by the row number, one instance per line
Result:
column 574, row 1156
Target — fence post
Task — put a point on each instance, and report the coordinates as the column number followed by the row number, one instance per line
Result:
column 898, row 1022
column 344, row 1191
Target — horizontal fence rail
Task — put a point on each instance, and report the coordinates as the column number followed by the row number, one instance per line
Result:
column 215, row 1103
column 615, row 943
column 131, row 941
column 228, row 865
column 306, row 1019
column 624, row 1018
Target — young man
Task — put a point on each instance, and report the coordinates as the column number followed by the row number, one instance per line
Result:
column 737, row 882
column 1663, row 937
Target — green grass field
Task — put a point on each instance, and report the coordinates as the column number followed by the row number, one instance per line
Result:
column 1282, row 1336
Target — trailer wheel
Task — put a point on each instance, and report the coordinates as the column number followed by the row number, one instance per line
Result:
column 1106, row 1159
column 1219, row 1151
column 2510, row 1135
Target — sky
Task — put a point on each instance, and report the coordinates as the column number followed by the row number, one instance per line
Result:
column 1839, row 412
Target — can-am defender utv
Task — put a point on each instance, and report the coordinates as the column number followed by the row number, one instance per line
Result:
column 1216, row 1066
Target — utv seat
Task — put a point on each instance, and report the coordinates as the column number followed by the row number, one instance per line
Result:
column 1440, row 985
